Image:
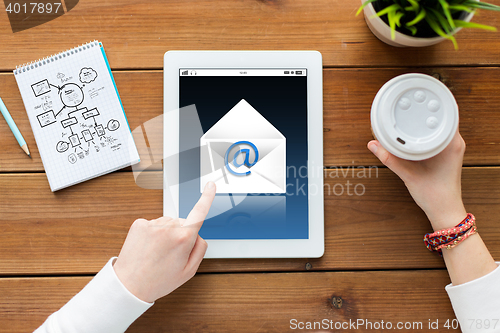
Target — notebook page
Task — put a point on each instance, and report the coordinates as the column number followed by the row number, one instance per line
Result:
column 76, row 115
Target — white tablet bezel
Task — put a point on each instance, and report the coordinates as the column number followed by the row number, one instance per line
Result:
column 313, row 247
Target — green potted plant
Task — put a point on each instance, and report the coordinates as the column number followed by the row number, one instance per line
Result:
column 421, row 22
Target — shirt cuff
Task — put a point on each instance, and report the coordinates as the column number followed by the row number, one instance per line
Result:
column 104, row 305
column 476, row 301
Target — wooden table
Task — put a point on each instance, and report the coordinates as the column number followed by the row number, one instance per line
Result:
column 375, row 265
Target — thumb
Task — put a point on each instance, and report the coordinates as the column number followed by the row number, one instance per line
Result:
column 398, row 165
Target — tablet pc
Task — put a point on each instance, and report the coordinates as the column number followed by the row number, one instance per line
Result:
column 252, row 122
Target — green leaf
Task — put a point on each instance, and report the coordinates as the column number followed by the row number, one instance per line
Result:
column 463, row 24
column 418, row 18
column 440, row 20
column 412, row 29
column 391, row 9
column 481, row 5
column 433, row 24
column 447, row 13
column 397, row 18
column 414, row 4
column 392, row 24
column 366, row 3
column 394, row 20
column 461, row 8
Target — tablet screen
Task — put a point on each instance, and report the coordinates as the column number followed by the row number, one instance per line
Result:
column 252, row 144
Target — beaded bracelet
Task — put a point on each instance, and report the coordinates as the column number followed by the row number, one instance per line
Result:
column 451, row 237
column 446, row 235
column 460, row 239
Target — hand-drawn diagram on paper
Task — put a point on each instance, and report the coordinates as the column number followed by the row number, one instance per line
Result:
column 69, row 105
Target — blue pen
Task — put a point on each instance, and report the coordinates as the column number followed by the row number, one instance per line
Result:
column 13, row 128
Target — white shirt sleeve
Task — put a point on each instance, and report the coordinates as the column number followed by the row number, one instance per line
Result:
column 103, row 306
column 477, row 303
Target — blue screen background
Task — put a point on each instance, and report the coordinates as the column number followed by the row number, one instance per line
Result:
column 282, row 100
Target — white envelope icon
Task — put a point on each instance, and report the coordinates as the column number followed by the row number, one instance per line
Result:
column 244, row 153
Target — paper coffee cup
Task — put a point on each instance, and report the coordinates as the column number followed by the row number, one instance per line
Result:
column 414, row 116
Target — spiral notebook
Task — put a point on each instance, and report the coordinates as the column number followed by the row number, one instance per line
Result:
column 76, row 115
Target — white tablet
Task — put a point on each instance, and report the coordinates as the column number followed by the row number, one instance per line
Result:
column 252, row 122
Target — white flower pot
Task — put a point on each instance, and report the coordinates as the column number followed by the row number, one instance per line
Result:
column 383, row 32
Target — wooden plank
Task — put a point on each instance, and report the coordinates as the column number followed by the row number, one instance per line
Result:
column 137, row 34
column 348, row 94
column 78, row 229
column 256, row 302
column 89, row 220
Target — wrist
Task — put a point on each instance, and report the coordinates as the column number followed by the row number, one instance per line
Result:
column 130, row 282
column 447, row 218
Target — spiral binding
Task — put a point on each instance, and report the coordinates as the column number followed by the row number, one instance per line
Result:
column 24, row 68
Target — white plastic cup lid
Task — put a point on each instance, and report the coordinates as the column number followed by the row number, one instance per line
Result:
column 414, row 116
